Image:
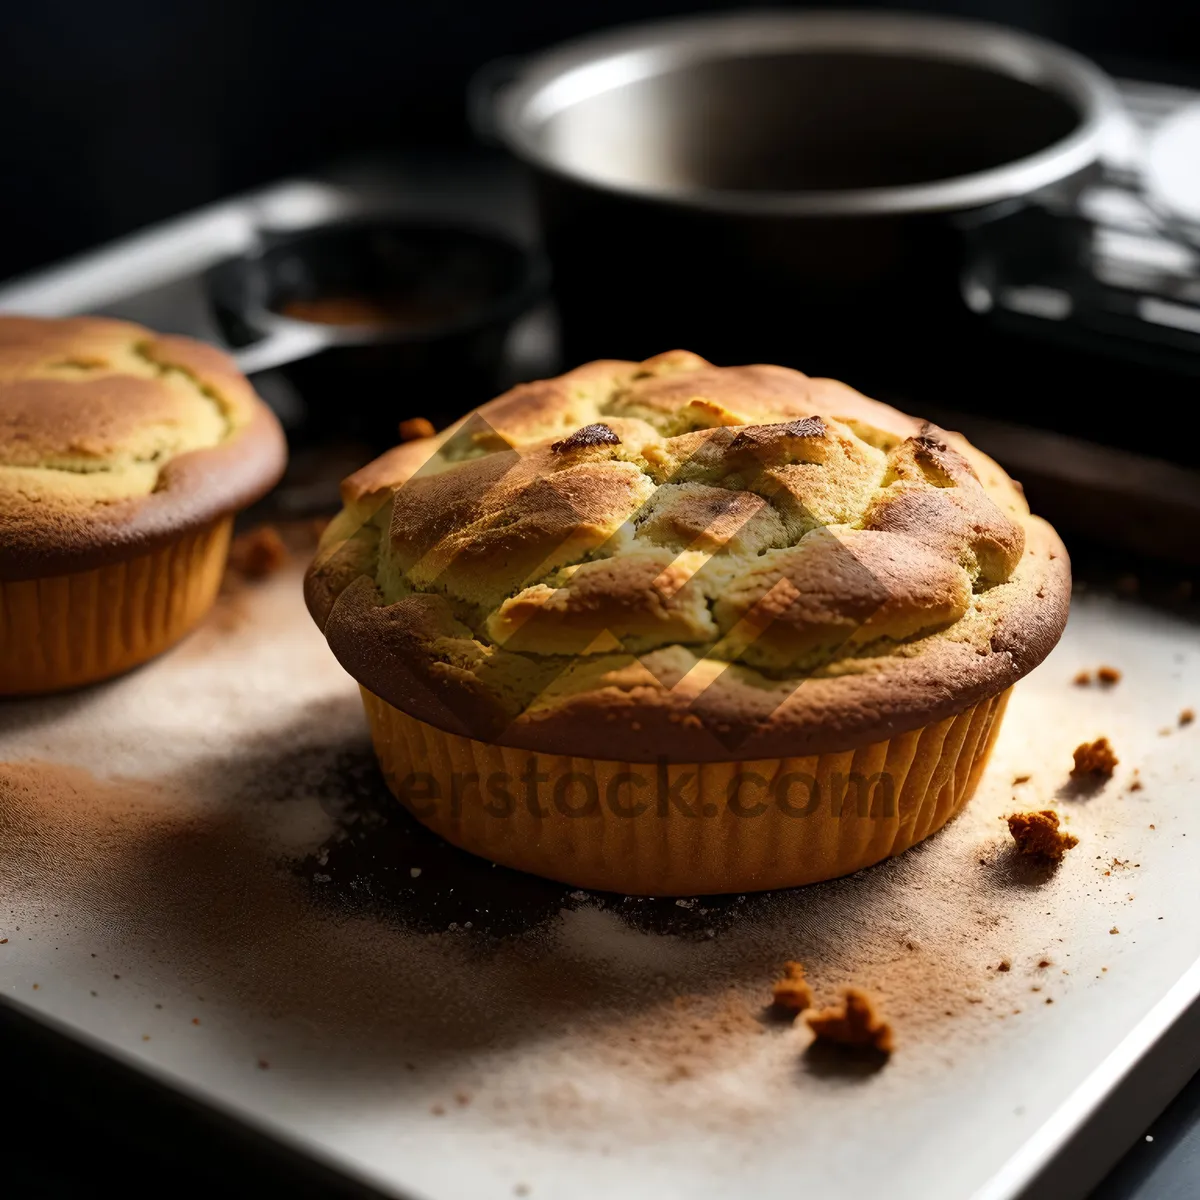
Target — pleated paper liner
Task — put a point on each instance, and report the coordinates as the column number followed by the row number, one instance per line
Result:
column 665, row 829
column 67, row 630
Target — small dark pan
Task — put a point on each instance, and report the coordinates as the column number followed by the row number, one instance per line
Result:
column 376, row 320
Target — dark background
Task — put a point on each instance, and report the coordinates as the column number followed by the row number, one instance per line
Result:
column 113, row 115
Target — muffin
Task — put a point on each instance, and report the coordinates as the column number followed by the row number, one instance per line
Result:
column 123, row 457
column 667, row 628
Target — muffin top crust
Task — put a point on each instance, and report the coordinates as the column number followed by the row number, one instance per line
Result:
column 114, row 439
column 668, row 558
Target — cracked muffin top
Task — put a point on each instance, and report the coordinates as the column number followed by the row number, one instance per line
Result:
column 671, row 558
column 114, row 439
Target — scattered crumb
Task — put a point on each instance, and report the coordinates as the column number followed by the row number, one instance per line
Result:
column 1017, row 779
column 1045, row 963
column 1094, row 759
column 195, row 1020
column 263, row 1065
column 462, row 1099
column 1136, row 786
column 1114, row 929
column 1004, row 965
column 3, row 941
column 1151, row 826
column 1038, row 835
column 1187, row 716
column 438, row 1110
column 145, row 1037
column 258, row 553
column 521, row 1189
column 1049, row 999
column 1105, row 676
column 854, row 1022
column 792, row 993
column 414, row 428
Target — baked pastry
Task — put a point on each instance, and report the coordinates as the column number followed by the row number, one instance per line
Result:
column 668, row 628
column 123, row 456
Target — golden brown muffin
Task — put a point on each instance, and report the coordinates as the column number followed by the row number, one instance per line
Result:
column 670, row 628
column 123, row 456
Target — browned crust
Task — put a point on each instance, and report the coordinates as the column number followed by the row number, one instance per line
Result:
column 956, row 650
column 39, row 539
column 383, row 649
column 194, row 489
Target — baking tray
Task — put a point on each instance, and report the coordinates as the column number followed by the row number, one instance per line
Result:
column 203, row 874
column 209, row 835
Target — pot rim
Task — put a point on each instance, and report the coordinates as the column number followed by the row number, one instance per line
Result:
column 556, row 79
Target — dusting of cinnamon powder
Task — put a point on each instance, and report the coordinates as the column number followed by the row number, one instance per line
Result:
column 853, row 1022
column 1037, row 834
column 792, row 993
column 1094, row 760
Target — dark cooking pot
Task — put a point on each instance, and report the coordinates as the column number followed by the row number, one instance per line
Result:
column 788, row 185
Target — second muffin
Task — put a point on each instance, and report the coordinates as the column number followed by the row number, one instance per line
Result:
column 123, row 457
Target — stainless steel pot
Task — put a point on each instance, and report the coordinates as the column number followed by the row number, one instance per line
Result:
column 788, row 184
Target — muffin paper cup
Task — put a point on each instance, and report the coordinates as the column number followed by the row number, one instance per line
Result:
column 66, row 630
column 669, row 829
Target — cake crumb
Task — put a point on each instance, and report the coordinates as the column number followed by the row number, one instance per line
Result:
column 1019, row 779
column 415, row 428
column 1187, row 716
column 258, row 553
column 438, row 1110
column 792, row 993
column 853, row 1022
column 1094, row 760
column 1107, row 676
column 1082, row 679
column 1045, row 962
column 1038, row 835
column 1114, row 929
column 1004, row 965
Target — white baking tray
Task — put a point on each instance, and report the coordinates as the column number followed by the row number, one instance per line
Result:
column 206, row 840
